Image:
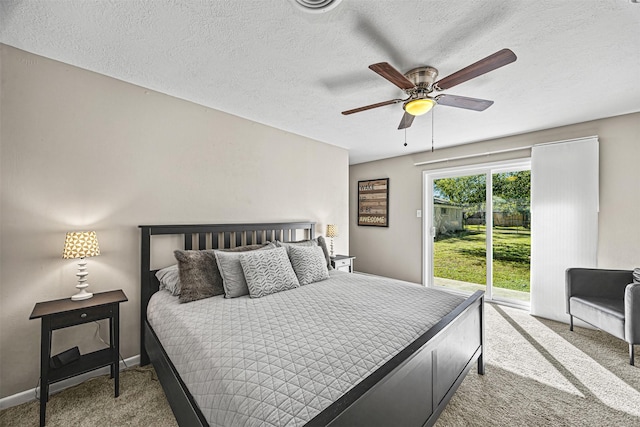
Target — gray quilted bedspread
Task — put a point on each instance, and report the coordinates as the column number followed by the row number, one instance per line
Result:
column 281, row 359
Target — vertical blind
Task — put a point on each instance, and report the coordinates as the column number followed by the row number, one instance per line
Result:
column 564, row 219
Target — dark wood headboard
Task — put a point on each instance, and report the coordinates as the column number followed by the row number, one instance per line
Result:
column 209, row 236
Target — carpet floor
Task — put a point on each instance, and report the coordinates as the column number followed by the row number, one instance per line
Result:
column 141, row 403
column 537, row 374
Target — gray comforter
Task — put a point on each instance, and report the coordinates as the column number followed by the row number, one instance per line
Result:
column 281, row 359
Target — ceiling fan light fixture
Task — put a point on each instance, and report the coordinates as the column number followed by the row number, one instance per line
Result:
column 418, row 107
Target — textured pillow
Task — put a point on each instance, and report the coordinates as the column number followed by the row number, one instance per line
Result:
column 308, row 263
column 287, row 245
column 319, row 241
column 268, row 272
column 232, row 277
column 636, row 275
column 169, row 278
column 199, row 274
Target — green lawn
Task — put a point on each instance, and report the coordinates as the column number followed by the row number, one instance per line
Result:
column 463, row 257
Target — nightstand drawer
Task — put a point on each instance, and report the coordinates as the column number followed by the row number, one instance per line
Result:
column 77, row 317
column 342, row 263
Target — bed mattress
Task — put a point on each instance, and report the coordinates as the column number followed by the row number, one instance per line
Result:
column 281, row 359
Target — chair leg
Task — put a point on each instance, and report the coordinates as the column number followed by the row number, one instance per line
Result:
column 631, row 355
column 570, row 322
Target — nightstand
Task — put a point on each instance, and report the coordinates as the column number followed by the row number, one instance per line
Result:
column 343, row 262
column 63, row 313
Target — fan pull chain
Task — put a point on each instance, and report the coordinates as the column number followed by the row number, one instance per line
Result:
column 432, row 114
column 405, row 137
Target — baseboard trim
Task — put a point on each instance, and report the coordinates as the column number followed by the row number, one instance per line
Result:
column 29, row 395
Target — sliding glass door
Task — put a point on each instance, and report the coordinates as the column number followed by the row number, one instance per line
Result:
column 478, row 230
column 459, row 229
column 511, row 233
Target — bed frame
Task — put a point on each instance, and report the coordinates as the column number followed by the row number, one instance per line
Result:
column 411, row 389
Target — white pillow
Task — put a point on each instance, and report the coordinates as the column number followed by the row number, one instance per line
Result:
column 169, row 278
column 268, row 272
column 308, row 263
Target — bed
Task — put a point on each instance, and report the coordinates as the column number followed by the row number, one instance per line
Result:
column 402, row 372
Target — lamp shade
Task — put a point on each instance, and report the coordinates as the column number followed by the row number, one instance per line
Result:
column 80, row 244
column 332, row 230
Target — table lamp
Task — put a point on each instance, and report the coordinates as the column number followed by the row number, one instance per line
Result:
column 81, row 244
column 332, row 231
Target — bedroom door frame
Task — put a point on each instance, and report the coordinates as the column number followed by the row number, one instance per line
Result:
column 428, row 230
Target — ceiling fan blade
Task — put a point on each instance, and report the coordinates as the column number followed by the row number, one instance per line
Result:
column 463, row 102
column 393, row 75
column 369, row 107
column 490, row 63
column 406, row 121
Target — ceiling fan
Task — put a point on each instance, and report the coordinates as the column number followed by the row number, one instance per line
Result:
column 418, row 84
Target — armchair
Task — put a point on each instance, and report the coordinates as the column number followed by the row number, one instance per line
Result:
column 606, row 299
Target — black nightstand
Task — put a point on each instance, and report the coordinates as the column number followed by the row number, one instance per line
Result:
column 63, row 313
column 343, row 262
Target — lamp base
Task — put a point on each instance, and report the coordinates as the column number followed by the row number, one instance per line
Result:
column 82, row 282
column 81, row 295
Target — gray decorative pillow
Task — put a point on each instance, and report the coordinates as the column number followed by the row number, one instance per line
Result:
column 268, row 272
column 169, row 278
column 323, row 244
column 636, row 275
column 319, row 241
column 199, row 274
column 228, row 264
column 308, row 263
column 287, row 245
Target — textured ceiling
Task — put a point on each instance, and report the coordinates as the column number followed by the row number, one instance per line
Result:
column 271, row 62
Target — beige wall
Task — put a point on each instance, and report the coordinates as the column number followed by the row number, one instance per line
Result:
column 397, row 251
column 83, row 151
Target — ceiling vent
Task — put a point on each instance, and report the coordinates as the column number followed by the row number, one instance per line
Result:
column 317, row 6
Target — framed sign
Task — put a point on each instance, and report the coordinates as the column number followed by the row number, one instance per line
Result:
column 373, row 202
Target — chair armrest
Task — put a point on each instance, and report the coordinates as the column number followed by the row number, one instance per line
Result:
column 596, row 282
column 632, row 313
